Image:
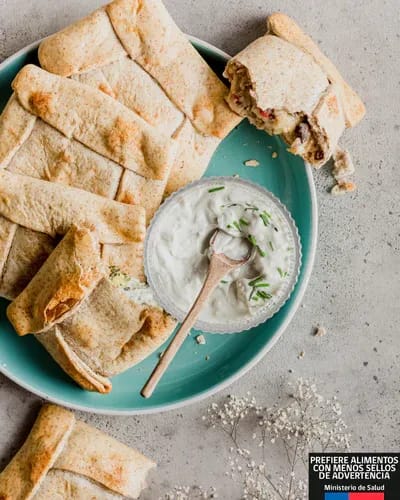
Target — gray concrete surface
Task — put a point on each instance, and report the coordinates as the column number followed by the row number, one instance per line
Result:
column 354, row 290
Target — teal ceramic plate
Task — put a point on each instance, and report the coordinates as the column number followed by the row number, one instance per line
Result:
column 198, row 370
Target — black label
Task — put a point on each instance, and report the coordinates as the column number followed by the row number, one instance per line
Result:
column 354, row 476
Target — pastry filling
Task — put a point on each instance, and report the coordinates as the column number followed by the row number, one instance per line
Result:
column 294, row 127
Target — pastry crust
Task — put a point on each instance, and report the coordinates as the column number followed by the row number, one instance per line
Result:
column 28, row 251
column 26, row 472
column 82, row 46
column 282, row 90
column 90, row 327
column 68, row 276
column 159, row 75
column 51, row 208
column 286, row 28
column 173, row 62
column 65, row 457
column 115, row 131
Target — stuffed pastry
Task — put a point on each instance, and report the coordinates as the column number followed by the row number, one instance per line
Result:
column 92, row 328
column 65, row 458
column 284, row 85
column 134, row 52
column 36, row 213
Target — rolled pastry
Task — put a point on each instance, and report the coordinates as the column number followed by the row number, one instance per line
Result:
column 64, row 457
column 35, row 213
column 284, row 85
column 149, row 65
column 90, row 327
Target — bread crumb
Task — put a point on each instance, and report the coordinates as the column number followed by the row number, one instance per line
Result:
column 274, row 155
column 252, row 163
column 200, row 339
column 342, row 165
column 319, row 331
column 301, row 355
column 343, row 187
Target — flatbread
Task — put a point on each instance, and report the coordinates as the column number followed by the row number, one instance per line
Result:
column 96, row 120
column 90, row 327
column 69, row 274
column 285, row 27
column 52, row 209
column 285, row 85
column 64, row 457
column 158, row 45
column 158, row 74
column 283, row 90
column 28, row 251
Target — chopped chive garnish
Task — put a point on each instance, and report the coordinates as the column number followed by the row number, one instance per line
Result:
column 244, row 222
column 255, row 280
column 249, row 207
column 224, row 281
column 229, row 226
column 265, row 217
column 236, row 224
column 256, row 293
column 271, row 246
column 252, row 240
column 261, row 252
column 282, row 274
column 219, row 188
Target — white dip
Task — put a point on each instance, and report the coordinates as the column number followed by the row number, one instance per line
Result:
column 180, row 249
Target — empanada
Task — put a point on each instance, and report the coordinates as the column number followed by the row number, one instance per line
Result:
column 35, row 213
column 66, row 458
column 90, row 327
column 284, row 85
column 141, row 58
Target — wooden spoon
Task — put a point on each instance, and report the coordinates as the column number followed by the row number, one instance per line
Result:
column 220, row 265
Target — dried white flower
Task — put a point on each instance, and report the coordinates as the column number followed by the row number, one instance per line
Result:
column 307, row 423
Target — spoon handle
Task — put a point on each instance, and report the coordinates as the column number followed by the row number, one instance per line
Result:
column 216, row 271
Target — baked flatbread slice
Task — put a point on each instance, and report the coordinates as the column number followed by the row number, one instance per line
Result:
column 96, row 120
column 90, row 327
column 51, row 208
column 147, row 33
column 284, row 85
column 285, row 27
column 64, row 456
column 150, row 67
column 34, row 214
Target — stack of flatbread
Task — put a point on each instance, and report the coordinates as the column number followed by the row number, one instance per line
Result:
column 66, row 458
column 124, row 112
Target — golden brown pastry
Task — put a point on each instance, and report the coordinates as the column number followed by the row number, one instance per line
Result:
column 36, row 213
column 141, row 58
column 284, row 85
column 66, row 458
column 90, row 327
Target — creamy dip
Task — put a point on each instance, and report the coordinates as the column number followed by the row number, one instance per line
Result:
column 248, row 220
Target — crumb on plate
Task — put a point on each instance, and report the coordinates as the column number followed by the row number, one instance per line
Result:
column 200, row 339
column 252, row 163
